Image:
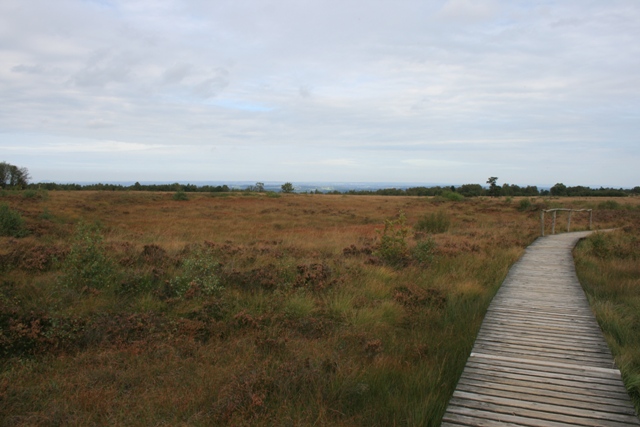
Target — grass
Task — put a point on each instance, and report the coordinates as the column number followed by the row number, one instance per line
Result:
column 608, row 265
column 248, row 311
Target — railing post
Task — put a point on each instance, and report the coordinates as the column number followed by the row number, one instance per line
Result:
column 542, row 223
column 553, row 224
column 569, row 222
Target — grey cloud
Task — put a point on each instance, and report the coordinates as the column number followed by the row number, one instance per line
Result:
column 176, row 73
column 104, row 67
column 99, row 124
column 213, row 85
column 28, row 69
column 304, row 92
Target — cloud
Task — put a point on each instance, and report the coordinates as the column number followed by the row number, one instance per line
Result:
column 435, row 163
column 304, row 92
column 176, row 73
column 213, row 85
column 105, row 67
column 88, row 147
column 28, row 69
column 468, row 10
column 337, row 162
column 99, row 123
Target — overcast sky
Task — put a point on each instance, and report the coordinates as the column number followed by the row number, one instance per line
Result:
column 430, row 91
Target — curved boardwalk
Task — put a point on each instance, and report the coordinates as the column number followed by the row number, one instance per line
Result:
column 540, row 358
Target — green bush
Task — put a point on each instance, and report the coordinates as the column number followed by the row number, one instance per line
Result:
column 393, row 248
column 610, row 205
column 180, row 195
column 437, row 222
column 453, row 197
column 11, row 223
column 525, row 205
column 87, row 264
column 46, row 215
column 200, row 274
column 35, row 194
column 423, row 252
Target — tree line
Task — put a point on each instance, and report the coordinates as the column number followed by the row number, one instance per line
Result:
column 13, row 177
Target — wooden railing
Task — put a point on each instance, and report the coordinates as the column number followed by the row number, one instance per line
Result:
column 555, row 211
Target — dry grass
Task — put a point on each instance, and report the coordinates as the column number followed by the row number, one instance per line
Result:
column 307, row 327
column 608, row 265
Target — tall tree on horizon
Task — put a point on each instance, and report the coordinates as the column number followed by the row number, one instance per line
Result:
column 12, row 176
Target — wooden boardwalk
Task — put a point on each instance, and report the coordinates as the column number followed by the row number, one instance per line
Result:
column 540, row 358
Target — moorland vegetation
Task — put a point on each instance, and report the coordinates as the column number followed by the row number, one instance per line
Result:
column 252, row 308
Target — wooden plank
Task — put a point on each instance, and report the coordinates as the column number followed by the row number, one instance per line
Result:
column 464, row 420
column 545, row 347
column 545, row 379
column 619, row 395
column 534, row 412
column 489, row 415
column 568, row 401
column 541, row 353
column 586, row 338
column 503, row 309
column 589, row 400
column 546, row 340
column 551, row 412
column 612, row 371
column 557, row 372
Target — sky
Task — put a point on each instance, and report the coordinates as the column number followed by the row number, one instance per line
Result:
column 430, row 91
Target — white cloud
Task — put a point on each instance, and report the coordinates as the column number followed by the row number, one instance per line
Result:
column 86, row 147
column 469, row 10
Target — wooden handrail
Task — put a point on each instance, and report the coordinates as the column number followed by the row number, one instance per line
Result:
column 555, row 211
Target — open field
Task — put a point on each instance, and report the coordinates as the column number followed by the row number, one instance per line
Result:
column 128, row 308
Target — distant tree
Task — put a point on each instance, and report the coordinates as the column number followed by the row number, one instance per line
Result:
column 12, row 176
column 287, row 187
column 494, row 189
column 471, row 190
column 507, row 190
column 258, row 187
column 558, row 190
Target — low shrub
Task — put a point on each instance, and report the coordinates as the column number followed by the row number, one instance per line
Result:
column 11, row 223
column 453, row 197
column 46, row 215
column 200, row 275
column 180, row 196
column 392, row 248
column 525, row 205
column 609, row 205
column 423, row 251
column 437, row 222
column 87, row 264
column 35, row 194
